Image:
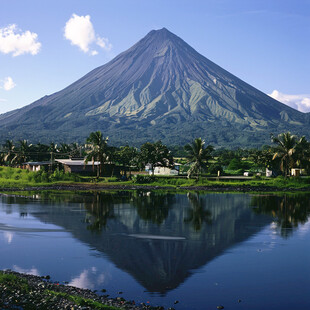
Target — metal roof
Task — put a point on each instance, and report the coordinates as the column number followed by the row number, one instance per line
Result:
column 37, row 163
column 70, row 162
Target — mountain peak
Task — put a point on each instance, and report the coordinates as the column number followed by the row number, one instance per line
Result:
column 160, row 88
column 161, row 35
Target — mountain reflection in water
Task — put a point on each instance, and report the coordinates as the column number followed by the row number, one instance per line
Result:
column 161, row 238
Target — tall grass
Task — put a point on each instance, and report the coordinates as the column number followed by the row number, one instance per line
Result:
column 16, row 177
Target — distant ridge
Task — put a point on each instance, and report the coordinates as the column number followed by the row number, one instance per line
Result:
column 160, row 88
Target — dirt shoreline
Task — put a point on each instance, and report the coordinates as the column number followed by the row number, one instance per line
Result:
column 210, row 188
column 27, row 291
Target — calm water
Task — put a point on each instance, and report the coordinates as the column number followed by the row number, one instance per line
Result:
column 203, row 250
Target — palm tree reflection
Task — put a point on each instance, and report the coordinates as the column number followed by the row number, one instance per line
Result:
column 197, row 215
column 100, row 210
column 288, row 211
column 153, row 207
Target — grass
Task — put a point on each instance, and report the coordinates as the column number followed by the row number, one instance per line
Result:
column 81, row 301
column 13, row 285
column 20, row 178
column 279, row 182
column 13, row 282
column 16, row 177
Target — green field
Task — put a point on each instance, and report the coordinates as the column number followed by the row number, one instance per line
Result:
column 20, row 178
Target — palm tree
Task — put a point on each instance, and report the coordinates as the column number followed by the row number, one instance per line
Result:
column 97, row 150
column 9, row 151
column 286, row 146
column 76, row 150
column 198, row 156
column 302, row 153
column 22, row 152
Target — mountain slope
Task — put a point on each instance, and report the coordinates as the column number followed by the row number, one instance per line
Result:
column 160, row 88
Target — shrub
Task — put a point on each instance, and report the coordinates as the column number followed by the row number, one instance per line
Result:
column 214, row 168
column 113, row 179
column 143, row 179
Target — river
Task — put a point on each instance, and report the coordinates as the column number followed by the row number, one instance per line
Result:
column 181, row 250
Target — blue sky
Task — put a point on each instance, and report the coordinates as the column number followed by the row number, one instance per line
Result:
column 265, row 43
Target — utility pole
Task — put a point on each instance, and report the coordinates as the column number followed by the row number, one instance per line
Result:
column 52, row 161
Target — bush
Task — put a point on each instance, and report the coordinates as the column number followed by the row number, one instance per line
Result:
column 237, row 164
column 214, row 168
column 113, row 179
column 143, row 179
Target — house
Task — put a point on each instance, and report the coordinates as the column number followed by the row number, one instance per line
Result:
column 296, row 172
column 79, row 166
column 159, row 170
column 269, row 173
column 36, row 165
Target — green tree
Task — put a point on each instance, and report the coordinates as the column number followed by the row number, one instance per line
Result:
column 76, row 150
column 98, row 148
column 9, row 149
column 302, row 153
column 22, row 153
column 198, row 156
column 126, row 157
column 155, row 154
column 64, row 150
column 286, row 145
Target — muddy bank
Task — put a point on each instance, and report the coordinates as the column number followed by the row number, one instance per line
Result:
column 211, row 188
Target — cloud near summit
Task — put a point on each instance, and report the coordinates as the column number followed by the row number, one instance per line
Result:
column 298, row 102
column 79, row 31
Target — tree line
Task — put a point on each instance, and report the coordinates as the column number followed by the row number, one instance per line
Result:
column 287, row 151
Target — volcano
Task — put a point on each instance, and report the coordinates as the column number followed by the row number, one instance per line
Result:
column 159, row 89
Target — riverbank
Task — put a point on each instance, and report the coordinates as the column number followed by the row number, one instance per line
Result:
column 14, row 179
column 211, row 188
column 23, row 291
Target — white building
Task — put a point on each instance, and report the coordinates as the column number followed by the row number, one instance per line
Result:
column 166, row 170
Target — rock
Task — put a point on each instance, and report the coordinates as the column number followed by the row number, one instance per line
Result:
column 220, row 307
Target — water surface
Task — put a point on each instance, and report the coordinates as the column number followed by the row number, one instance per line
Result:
column 237, row 250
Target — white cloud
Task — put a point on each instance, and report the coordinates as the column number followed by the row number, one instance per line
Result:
column 13, row 40
column 3, row 100
column 8, row 236
column 88, row 278
column 34, row 271
column 79, row 31
column 7, row 83
column 104, row 43
column 298, row 102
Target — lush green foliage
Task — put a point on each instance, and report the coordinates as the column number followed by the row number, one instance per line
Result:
column 20, row 177
column 14, row 283
column 97, row 150
column 81, row 301
column 198, row 156
column 288, row 152
column 143, row 179
column 155, row 154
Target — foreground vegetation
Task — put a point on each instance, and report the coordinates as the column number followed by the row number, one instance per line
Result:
column 21, row 291
column 21, row 178
column 200, row 163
